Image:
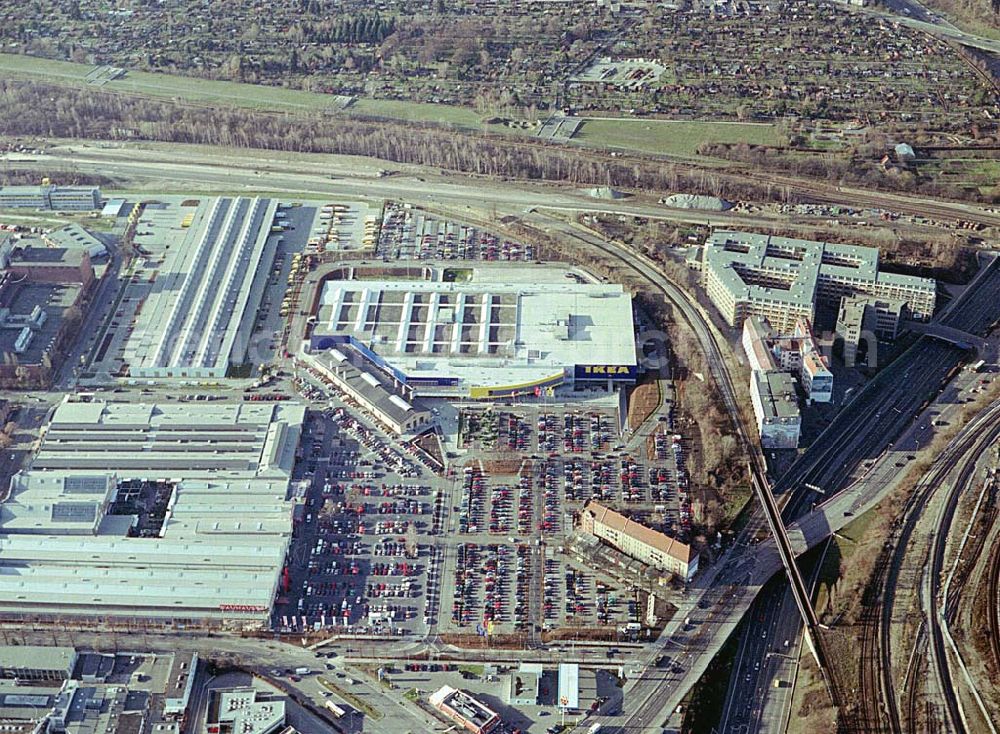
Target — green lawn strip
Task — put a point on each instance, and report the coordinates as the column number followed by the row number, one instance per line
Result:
column 645, row 135
column 679, row 137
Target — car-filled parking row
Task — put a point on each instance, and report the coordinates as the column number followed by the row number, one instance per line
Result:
column 575, row 598
column 350, row 591
column 580, row 432
column 500, row 509
column 496, row 604
column 409, row 234
column 483, row 598
column 472, row 505
column 683, row 495
column 552, row 509
column 525, row 503
column 523, row 580
column 466, row 587
column 570, row 432
column 359, row 562
column 393, row 459
column 632, row 480
column 513, row 432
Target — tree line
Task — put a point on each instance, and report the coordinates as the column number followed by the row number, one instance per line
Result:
column 49, row 110
column 27, row 177
column 360, row 28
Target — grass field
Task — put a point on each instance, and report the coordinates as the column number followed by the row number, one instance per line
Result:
column 648, row 136
column 417, row 112
column 167, row 85
column 673, row 137
column 243, row 95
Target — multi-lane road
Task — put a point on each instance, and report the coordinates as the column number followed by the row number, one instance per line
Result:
column 875, row 419
column 169, row 167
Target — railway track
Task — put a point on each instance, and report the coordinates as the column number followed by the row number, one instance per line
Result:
column 985, row 436
column 868, row 714
column 912, row 681
column 974, row 549
column 878, row 709
column 993, row 605
column 855, row 433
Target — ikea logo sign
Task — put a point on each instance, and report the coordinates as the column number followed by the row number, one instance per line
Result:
column 621, row 372
column 605, row 369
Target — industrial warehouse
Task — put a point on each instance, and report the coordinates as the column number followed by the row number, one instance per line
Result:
column 45, row 287
column 209, row 262
column 784, row 280
column 492, row 336
column 164, row 513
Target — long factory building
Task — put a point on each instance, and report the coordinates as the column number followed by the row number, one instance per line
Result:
column 160, row 513
column 199, row 316
column 48, row 196
column 784, row 280
column 483, row 339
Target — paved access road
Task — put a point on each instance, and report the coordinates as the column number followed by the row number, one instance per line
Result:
column 342, row 176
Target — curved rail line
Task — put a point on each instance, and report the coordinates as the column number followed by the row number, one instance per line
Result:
column 879, row 709
column 993, row 605
column 985, row 435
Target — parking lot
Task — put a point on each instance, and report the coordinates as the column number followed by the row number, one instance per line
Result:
column 338, row 225
column 360, row 559
column 527, row 472
column 580, row 450
column 385, row 546
column 409, row 234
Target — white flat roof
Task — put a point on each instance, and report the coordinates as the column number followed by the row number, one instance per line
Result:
column 172, row 440
column 39, row 657
column 189, row 323
column 484, row 333
column 225, row 529
column 569, row 686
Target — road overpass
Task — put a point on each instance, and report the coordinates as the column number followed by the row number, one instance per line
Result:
column 889, row 409
column 762, row 489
